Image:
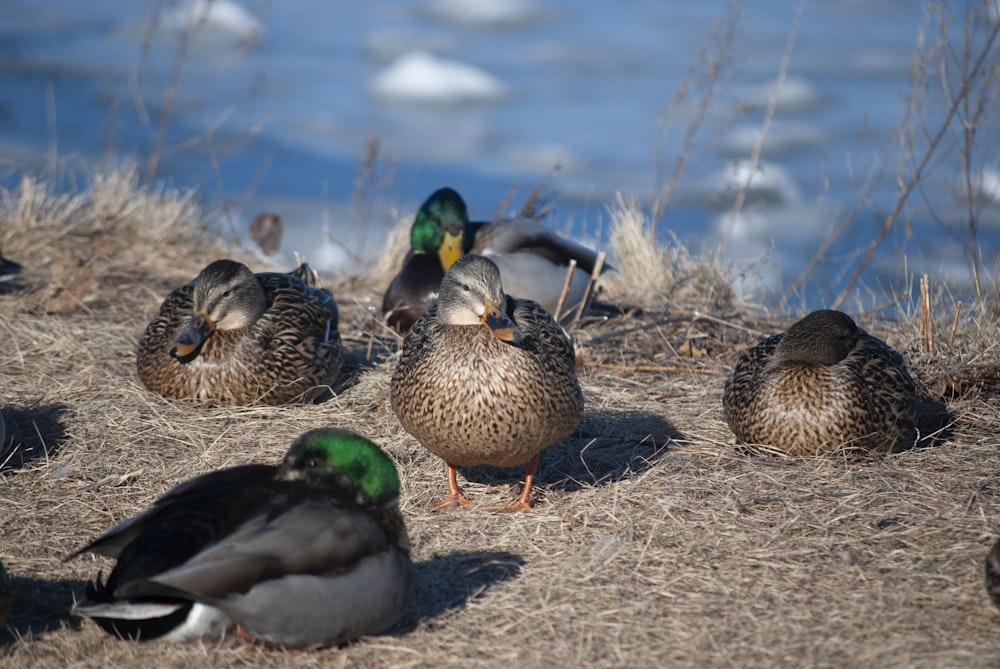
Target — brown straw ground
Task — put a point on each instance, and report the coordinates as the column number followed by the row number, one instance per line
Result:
column 654, row 540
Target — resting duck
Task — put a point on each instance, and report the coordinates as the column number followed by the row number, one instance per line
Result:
column 235, row 337
column 311, row 552
column 484, row 378
column 532, row 259
column 824, row 385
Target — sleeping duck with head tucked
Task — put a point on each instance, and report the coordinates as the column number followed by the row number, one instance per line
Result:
column 235, row 337
column 313, row 551
column 822, row 386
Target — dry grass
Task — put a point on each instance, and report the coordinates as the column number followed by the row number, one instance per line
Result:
column 650, row 274
column 653, row 542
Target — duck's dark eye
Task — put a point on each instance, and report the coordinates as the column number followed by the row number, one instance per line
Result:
column 465, row 287
column 312, row 463
column 229, row 291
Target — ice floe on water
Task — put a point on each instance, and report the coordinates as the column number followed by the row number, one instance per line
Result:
column 795, row 96
column 220, row 19
column 423, row 78
column 783, row 138
column 773, row 240
column 484, row 13
column 763, row 183
column 986, row 185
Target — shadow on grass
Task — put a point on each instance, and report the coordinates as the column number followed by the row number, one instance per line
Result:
column 608, row 446
column 33, row 433
column 39, row 606
column 448, row 582
column 935, row 424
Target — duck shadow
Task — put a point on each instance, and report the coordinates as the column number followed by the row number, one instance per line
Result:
column 935, row 424
column 33, row 433
column 609, row 445
column 356, row 362
column 39, row 606
column 447, row 582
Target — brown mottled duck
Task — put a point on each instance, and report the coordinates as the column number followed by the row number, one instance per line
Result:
column 824, row 385
column 235, row 337
column 486, row 379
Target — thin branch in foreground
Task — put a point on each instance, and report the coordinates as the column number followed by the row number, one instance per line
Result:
column 565, row 289
column 598, row 265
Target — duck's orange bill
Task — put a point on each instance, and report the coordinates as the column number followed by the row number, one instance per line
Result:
column 500, row 325
column 192, row 336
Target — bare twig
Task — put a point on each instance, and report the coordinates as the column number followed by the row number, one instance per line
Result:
column 772, row 105
column 926, row 326
column 714, row 64
column 954, row 324
column 598, row 264
column 915, row 179
column 565, row 289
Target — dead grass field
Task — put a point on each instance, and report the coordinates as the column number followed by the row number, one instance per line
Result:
column 654, row 541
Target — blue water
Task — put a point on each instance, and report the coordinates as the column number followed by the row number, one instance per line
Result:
column 280, row 121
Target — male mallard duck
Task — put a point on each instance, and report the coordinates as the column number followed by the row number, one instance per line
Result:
column 823, row 385
column 532, row 259
column 484, row 378
column 311, row 552
column 993, row 574
column 235, row 337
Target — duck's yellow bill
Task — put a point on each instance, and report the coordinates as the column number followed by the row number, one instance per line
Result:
column 451, row 249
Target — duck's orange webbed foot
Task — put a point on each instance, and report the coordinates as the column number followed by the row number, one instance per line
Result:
column 523, row 502
column 455, row 496
column 519, row 505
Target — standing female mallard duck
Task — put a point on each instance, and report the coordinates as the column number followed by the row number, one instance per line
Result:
column 235, row 337
column 484, row 378
column 532, row 259
column 313, row 552
column 824, row 385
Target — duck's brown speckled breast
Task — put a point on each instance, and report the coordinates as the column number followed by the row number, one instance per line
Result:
column 471, row 399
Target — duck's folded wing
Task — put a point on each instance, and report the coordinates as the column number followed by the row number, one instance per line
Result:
column 314, row 536
column 524, row 235
column 114, row 541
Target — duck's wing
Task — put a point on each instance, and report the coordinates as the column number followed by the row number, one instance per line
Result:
column 413, row 291
column 193, row 494
column 525, row 235
column 297, row 297
column 316, row 535
column 538, row 326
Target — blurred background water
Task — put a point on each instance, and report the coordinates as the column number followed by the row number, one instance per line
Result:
column 280, row 106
